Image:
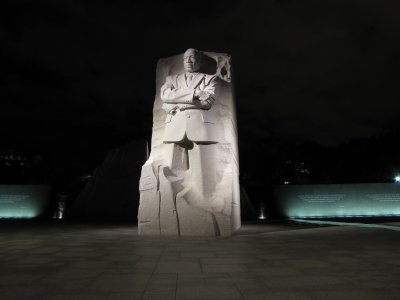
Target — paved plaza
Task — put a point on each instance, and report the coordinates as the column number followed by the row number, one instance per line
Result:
column 263, row 261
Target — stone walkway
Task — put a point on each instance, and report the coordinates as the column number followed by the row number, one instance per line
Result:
column 287, row 261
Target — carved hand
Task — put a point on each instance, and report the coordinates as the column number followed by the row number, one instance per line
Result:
column 204, row 97
column 209, row 101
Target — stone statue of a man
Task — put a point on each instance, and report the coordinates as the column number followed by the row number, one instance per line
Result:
column 187, row 98
column 191, row 171
column 190, row 126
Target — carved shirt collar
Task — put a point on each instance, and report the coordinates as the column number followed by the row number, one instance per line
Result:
column 191, row 75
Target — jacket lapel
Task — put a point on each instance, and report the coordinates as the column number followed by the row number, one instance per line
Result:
column 181, row 80
column 195, row 81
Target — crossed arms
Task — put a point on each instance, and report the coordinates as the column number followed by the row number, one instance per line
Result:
column 175, row 97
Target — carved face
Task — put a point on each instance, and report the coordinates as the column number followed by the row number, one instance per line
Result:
column 191, row 61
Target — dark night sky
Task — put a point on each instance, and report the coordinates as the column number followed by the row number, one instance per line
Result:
column 80, row 74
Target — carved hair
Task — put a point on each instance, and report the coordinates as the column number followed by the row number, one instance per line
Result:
column 197, row 52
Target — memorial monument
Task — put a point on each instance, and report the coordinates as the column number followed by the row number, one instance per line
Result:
column 190, row 183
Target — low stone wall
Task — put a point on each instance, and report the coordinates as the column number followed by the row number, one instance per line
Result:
column 338, row 200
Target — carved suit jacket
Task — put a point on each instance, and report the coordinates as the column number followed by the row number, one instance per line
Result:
column 186, row 115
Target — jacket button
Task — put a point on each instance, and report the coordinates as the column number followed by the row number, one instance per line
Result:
column 188, row 117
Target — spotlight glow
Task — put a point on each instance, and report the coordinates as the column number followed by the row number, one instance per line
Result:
column 262, row 216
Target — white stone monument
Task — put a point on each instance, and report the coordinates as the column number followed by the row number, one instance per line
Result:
column 190, row 183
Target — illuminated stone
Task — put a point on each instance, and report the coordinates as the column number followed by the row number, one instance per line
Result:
column 24, row 201
column 339, row 200
column 189, row 185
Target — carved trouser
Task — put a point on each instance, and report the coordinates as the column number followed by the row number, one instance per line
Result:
column 190, row 187
column 197, row 203
column 196, row 164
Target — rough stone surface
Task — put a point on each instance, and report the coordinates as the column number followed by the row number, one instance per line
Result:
column 189, row 185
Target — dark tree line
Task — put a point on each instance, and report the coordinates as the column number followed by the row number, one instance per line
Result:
column 276, row 161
